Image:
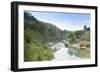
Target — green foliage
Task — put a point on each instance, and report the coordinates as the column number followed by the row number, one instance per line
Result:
column 82, row 35
column 49, row 32
column 82, row 53
column 79, row 43
column 35, row 38
column 86, row 28
column 37, row 34
column 33, row 52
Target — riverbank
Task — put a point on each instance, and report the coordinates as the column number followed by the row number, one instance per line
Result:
column 62, row 52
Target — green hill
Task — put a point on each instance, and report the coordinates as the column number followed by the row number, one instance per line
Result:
column 36, row 35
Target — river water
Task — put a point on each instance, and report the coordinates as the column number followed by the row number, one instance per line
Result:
column 62, row 52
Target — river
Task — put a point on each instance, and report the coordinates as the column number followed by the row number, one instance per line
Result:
column 62, row 52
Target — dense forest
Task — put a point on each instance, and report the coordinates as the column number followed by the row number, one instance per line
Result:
column 37, row 35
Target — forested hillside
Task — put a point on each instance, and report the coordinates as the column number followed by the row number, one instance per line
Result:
column 36, row 35
column 79, row 42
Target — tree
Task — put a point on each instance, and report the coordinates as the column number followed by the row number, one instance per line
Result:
column 85, row 27
column 88, row 28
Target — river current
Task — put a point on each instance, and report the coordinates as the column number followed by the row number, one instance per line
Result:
column 62, row 52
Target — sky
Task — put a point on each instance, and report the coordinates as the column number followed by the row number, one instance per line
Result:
column 64, row 21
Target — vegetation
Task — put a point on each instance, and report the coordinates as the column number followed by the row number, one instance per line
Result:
column 38, row 34
column 35, row 38
column 80, row 43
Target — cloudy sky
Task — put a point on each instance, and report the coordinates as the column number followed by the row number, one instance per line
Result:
column 64, row 21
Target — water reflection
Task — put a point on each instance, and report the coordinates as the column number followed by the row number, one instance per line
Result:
column 62, row 52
